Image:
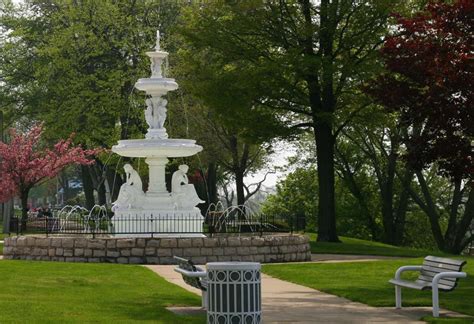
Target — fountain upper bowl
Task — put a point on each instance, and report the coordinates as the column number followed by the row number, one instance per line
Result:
column 157, row 148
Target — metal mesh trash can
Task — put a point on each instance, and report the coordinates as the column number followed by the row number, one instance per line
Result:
column 234, row 294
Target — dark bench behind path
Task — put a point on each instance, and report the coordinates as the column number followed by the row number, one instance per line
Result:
column 436, row 274
column 193, row 276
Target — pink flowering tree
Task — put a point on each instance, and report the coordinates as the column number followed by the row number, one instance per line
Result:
column 25, row 162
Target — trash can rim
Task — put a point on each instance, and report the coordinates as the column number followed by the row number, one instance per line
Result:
column 233, row 266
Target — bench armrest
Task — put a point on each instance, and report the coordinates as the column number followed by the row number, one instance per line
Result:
column 193, row 274
column 398, row 274
column 448, row 274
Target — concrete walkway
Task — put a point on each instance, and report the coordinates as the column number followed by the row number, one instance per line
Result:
column 285, row 302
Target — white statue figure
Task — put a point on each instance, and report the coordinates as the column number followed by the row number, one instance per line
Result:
column 157, row 46
column 183, row 192
column 155, row 113
column 131, row 193
column 155, row 67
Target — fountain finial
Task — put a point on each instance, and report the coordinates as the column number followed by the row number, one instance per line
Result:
column 157, row 47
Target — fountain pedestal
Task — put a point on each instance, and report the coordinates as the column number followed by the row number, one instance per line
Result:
column 157, row 212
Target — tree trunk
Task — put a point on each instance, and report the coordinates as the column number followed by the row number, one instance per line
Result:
column 88, row 187
column 326, row 203
column 239, row 187
column 212, row 182
column 102, row 194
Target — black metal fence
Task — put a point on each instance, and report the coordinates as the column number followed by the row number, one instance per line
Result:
column 155, row 225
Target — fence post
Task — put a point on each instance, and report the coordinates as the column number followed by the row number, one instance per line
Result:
column 47, row 225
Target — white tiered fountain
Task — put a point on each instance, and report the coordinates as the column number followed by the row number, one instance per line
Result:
column 139, row 213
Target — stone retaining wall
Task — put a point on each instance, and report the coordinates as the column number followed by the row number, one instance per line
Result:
column 271, row 248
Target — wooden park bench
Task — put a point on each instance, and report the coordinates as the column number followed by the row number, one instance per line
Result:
column 193, row 276
column 435, row 274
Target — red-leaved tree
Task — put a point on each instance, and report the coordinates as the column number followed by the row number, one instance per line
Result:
column 25, row 162
column 430, row 84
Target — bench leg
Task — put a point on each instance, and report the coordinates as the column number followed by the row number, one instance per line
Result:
column 398, row 297
column 204, row 299
column 435, row 301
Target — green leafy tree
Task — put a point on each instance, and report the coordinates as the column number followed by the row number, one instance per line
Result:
column 73, row 65
column 289, row 66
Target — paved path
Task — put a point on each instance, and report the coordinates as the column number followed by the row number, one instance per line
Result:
column 285, row 302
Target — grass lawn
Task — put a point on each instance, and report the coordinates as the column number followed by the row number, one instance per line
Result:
column 366, row 282
column 79, row 292
column 357, row 246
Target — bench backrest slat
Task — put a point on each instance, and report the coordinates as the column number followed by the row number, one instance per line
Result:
column 434, row 265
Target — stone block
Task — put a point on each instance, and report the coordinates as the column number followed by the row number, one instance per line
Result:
column 136, row 260
column 224, row 258
column 258, row 241
column 153, row 242
column 245, row 241
column 211, row 242
column 52, row 252
column 264, row 249
column 42, row 242
column 269, row 258
column 150, row 251
column 56, row 242
column 274, row 249
column 222, row 241
column 177, row 252
column 67, row 242
column 199, row 260
column 125, row 243
column 152, row 260
column 122, row 260
column 93, row 260
column 111, row 244
column 243, row 250
column 258, row 258
column 218, row 251
column 283, row 249
column 246, row 258
column 68, row 252
column 98, row 253
column 140, row 243
column 59, row 251
column 30, row 241
column 166, row 260
column 211, row 258
column 57, row 258
column 21, row 241
column 80, row 243
column 230, row 251
column 125, row 252
column 79, row 252
column 87, row 252
column 191, row 252
column 162, row 252
column 138, row 252
column 233, row 241
column 113, row 254
column 253, row 249
column 197, row 242
column 184, row 242
column 96, row 244
column 206, row 251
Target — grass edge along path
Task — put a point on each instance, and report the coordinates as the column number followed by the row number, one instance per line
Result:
column 35, row 291
column 363, row 247
column 367, row 282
